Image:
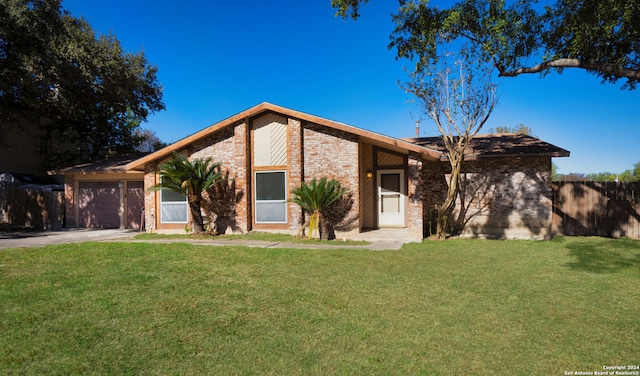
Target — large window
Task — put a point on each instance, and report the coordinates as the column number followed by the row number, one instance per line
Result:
column 271, row 197
column 174, row 207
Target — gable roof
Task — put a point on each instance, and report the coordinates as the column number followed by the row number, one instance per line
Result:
column 109, row 166
column 372, row 137
column 498, row 145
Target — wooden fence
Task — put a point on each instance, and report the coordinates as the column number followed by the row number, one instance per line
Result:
column 596, row 209
column 32, row 208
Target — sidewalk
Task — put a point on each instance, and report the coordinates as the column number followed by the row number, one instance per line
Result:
column 30, row 239
column 374, row 246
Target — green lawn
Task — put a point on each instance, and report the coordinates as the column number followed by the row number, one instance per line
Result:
column 453, row 307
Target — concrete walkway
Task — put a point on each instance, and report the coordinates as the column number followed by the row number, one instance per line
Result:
column 30, row 239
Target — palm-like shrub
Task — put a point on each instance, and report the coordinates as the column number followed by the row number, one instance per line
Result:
column 315, row 199
column 190, row 178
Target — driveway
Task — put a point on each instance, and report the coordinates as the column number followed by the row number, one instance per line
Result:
column 28, row 239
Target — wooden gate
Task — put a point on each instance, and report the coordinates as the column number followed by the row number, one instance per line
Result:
column 596, row 209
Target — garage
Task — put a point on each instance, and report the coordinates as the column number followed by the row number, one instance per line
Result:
column 98, row 204
column 103, row 194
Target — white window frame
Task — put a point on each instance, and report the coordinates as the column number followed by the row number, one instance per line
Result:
column 283, row 201
column 174, row 204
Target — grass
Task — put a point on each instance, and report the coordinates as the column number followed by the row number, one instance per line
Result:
column 453, row 307
column 253, row 235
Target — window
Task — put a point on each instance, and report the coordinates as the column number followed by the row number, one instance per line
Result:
column 271, row 197
column 174, row 207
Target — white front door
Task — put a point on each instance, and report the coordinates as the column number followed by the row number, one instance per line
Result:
column 391, row 198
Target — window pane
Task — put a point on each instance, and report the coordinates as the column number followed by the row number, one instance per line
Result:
column 390, row 182
column 270, row 186
column 170, row 196
column 390, row 204
column 271, row 212
column 174, row 212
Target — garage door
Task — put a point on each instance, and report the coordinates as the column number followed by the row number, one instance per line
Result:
column 135, row 203
column 98, row 204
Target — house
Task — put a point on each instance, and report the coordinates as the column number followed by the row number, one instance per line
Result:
column 268, row 150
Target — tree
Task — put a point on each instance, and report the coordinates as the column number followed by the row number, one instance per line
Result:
column 61, row 82
column 459, row 97
column 315, row 199
column 150, row 142
column 627, row 176
column 601, row 37
column 519, row 129
column 190, row 178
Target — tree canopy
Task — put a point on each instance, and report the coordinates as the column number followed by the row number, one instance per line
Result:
column 518, row 129
column 627, row 176
column 601, row 37
column 59, row 80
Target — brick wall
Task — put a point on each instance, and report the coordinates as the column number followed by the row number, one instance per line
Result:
column 334, row 154
column 69, row 199
column 229, row 147
column 219, row 146
column 241, row 170
column 294, row 129
column 415, row 194
column 150, row 197
column 500, row 197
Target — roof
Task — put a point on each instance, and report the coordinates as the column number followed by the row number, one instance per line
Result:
column 112, row 165
column 498, row 145
column 372, row 137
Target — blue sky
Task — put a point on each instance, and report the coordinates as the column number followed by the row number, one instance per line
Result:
column 218, row 58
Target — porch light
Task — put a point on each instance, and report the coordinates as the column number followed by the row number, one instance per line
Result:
column 369, row 174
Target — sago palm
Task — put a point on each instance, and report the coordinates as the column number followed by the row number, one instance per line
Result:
column 190, row 178
column 315, row 199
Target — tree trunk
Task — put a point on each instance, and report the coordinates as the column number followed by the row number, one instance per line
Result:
column 445, row 210
column 196, row 214
column 326, row 232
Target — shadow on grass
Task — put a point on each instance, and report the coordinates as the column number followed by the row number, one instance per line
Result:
column 604, row 255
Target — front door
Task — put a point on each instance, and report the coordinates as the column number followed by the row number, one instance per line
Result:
column 391, row 198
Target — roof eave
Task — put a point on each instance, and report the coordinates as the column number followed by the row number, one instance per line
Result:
column 263, row 107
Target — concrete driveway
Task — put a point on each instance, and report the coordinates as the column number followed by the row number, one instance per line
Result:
column 28, row 239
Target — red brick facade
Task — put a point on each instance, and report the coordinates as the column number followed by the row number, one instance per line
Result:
column 502, row 197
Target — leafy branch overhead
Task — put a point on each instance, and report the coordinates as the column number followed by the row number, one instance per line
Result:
column 522, row 37
column 61, row 81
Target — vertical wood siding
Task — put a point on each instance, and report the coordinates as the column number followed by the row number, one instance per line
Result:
column 270, row 141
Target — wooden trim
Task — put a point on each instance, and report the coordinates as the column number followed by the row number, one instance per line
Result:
column 248, row 163
column 135, row 176
column 253, row 201
column 271, row 168
column 267, row 227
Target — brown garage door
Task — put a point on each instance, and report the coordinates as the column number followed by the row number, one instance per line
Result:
column 98, row 204
column 135, row 203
